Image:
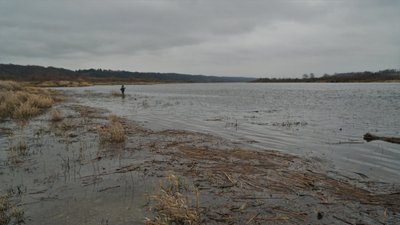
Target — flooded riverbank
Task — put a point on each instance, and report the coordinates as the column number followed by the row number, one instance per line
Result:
column 61, row 172
column 324, row 121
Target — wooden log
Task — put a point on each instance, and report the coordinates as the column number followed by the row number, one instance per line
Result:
column 370, row 137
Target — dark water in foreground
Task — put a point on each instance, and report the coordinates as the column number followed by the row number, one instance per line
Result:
column 324, row 121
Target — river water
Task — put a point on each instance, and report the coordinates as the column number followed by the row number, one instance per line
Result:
column 324, row 122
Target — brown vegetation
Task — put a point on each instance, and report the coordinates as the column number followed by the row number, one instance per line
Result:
column 244, row 186
column 55, row 115
column 20, row 102
column 64, row 83
column 18, row 150
column 171, row 204
column 85, row 111
column 113, row 132
column 9, row 213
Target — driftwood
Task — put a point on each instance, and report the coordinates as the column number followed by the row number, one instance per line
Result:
column 370, row 137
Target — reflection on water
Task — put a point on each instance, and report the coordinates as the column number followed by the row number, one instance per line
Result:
column 313, row 120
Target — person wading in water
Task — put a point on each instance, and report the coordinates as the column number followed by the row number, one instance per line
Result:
column 123, row 90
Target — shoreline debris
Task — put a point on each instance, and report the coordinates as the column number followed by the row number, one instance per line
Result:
column 370, row 137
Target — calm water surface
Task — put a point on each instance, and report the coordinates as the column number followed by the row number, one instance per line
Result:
column 323, row 121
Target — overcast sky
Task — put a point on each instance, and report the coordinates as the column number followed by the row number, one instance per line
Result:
column 215, row 37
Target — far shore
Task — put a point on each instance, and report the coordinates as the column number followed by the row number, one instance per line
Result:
column 79, row 83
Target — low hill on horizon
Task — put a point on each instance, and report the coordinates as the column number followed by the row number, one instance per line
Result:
column 41, row 73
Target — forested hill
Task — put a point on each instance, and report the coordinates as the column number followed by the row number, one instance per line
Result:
column 40, row 73
column 380, row 76
column 151, row 76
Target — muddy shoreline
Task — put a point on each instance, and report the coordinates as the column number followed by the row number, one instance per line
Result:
column 65, row 175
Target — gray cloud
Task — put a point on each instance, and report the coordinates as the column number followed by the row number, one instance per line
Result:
column 223, row 37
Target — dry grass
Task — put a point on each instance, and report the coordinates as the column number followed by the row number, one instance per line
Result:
column 18, row 149
column 10, row 86
column 25, row 110
column 171, row 204
column 68, row 124
column 64, row 83
column 9, row 213
column 55, row 115
column 20, row 102
column 114, row 118
column 113, row 132
column 85, row 111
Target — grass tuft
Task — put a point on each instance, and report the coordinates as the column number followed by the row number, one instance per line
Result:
column 9, row 213
column 55, row 115
column 25, row 110
column 171, row 204
column 113, row 132
column 18, row 150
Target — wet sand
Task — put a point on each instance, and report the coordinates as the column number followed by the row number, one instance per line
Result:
column 65, row 175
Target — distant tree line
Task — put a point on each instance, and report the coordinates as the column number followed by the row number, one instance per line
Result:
column 367, row 76
column 40, row 73
column 16, row 72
